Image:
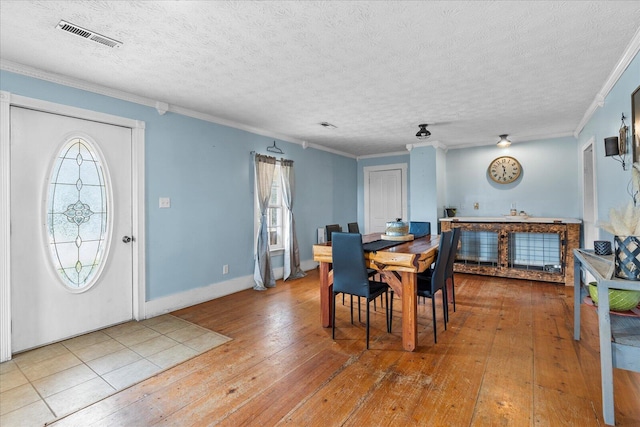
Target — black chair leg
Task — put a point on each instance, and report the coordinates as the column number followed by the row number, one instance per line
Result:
column 445, row 309
column 367, row 322
column 390, row 307
column 389, row 313
column 333, row 318
column 453, row 294
column 435, row 330
column 359, row 310
column 351, row 296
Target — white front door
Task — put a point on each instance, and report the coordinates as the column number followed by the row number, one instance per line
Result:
column 71, row 196
column 385, row 196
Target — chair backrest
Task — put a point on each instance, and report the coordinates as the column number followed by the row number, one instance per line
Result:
column 455, row 238
column 349, row 268
column 438, row 277
column 419, row 228
column 353, row 227
column 331, row 228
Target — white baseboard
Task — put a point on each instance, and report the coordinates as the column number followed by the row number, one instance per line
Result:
column 191, row 297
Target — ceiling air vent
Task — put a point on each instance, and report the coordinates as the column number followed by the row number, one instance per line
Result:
column 87, row 34
column 328, row 125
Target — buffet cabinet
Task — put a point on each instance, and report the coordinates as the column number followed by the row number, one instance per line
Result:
column 521, row 248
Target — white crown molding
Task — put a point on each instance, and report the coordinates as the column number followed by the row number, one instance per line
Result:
column 160, row 106
column 630, row 52
column 374, row 156
column 329, row 150
column 163, row 107
column 434, row 143
column 36, row 73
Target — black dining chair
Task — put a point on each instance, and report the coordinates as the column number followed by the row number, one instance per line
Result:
column 350, row 276
column 430, row 284
column 330, row 229
column 453, row 252
column 353, row 227
column 419, row 228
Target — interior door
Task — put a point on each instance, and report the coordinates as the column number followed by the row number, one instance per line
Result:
column 71, row 249
column 589, row 203
column 385, row 199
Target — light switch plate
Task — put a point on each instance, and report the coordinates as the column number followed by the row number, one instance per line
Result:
column 164, row 202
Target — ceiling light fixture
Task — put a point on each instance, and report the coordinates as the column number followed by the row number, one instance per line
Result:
column 504, row 142
column 423, row 133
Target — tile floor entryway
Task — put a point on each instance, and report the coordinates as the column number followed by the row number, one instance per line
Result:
column 42, row 384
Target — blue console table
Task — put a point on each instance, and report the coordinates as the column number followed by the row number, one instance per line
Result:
column 619, row 335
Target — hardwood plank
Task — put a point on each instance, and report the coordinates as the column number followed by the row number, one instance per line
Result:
column 506, row 395
column 245, row 400
column 506, row 358
column 336, row 401
column 274, row 403
column 451, row 397
column 556, row 408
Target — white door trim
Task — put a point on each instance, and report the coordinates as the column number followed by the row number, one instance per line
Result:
column 590, row 143
column 366, row 171
column 138, row 208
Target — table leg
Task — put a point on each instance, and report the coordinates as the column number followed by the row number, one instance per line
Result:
column 606, row 356
column 409, row 312
column 326, row 295
column 577, row 296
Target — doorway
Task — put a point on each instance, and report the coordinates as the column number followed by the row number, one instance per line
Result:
column 385, row 196
column 42, row 306
column 589, row 201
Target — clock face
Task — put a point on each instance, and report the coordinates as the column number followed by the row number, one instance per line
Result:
column 504, row 170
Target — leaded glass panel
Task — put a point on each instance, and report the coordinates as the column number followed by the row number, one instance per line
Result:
column 77, row 214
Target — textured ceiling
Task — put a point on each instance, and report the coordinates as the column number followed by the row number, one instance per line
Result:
column 375, row 69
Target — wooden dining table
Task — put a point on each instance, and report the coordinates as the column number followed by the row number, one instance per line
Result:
column 398, row 266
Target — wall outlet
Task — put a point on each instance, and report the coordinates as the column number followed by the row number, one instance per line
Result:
column 476, row 206
column 164, row 202
column 225, row 269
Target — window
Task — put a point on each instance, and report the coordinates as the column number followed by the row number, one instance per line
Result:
column 77, row 214
column 275, row 214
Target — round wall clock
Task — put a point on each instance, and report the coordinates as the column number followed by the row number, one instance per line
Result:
column 504, row 170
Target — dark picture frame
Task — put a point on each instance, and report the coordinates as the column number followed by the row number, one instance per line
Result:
column 635, row 125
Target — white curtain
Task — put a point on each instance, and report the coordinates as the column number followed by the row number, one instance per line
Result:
column 263, row 272
column 292, row 268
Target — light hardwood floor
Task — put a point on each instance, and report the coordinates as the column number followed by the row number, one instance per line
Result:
column 507, row 358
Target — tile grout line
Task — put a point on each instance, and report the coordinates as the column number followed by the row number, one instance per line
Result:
column 115, row 388
column 37, row 392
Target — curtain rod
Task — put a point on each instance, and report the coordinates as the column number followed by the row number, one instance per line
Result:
column 253, row 153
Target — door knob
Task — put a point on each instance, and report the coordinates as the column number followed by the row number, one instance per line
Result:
column 127, row 239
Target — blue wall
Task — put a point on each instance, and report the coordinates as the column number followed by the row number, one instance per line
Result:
column 611, row 179
column 205, row 169
column 548, row 185
column 424, row 191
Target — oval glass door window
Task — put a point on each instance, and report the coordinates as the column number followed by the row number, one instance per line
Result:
column 77, row 215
